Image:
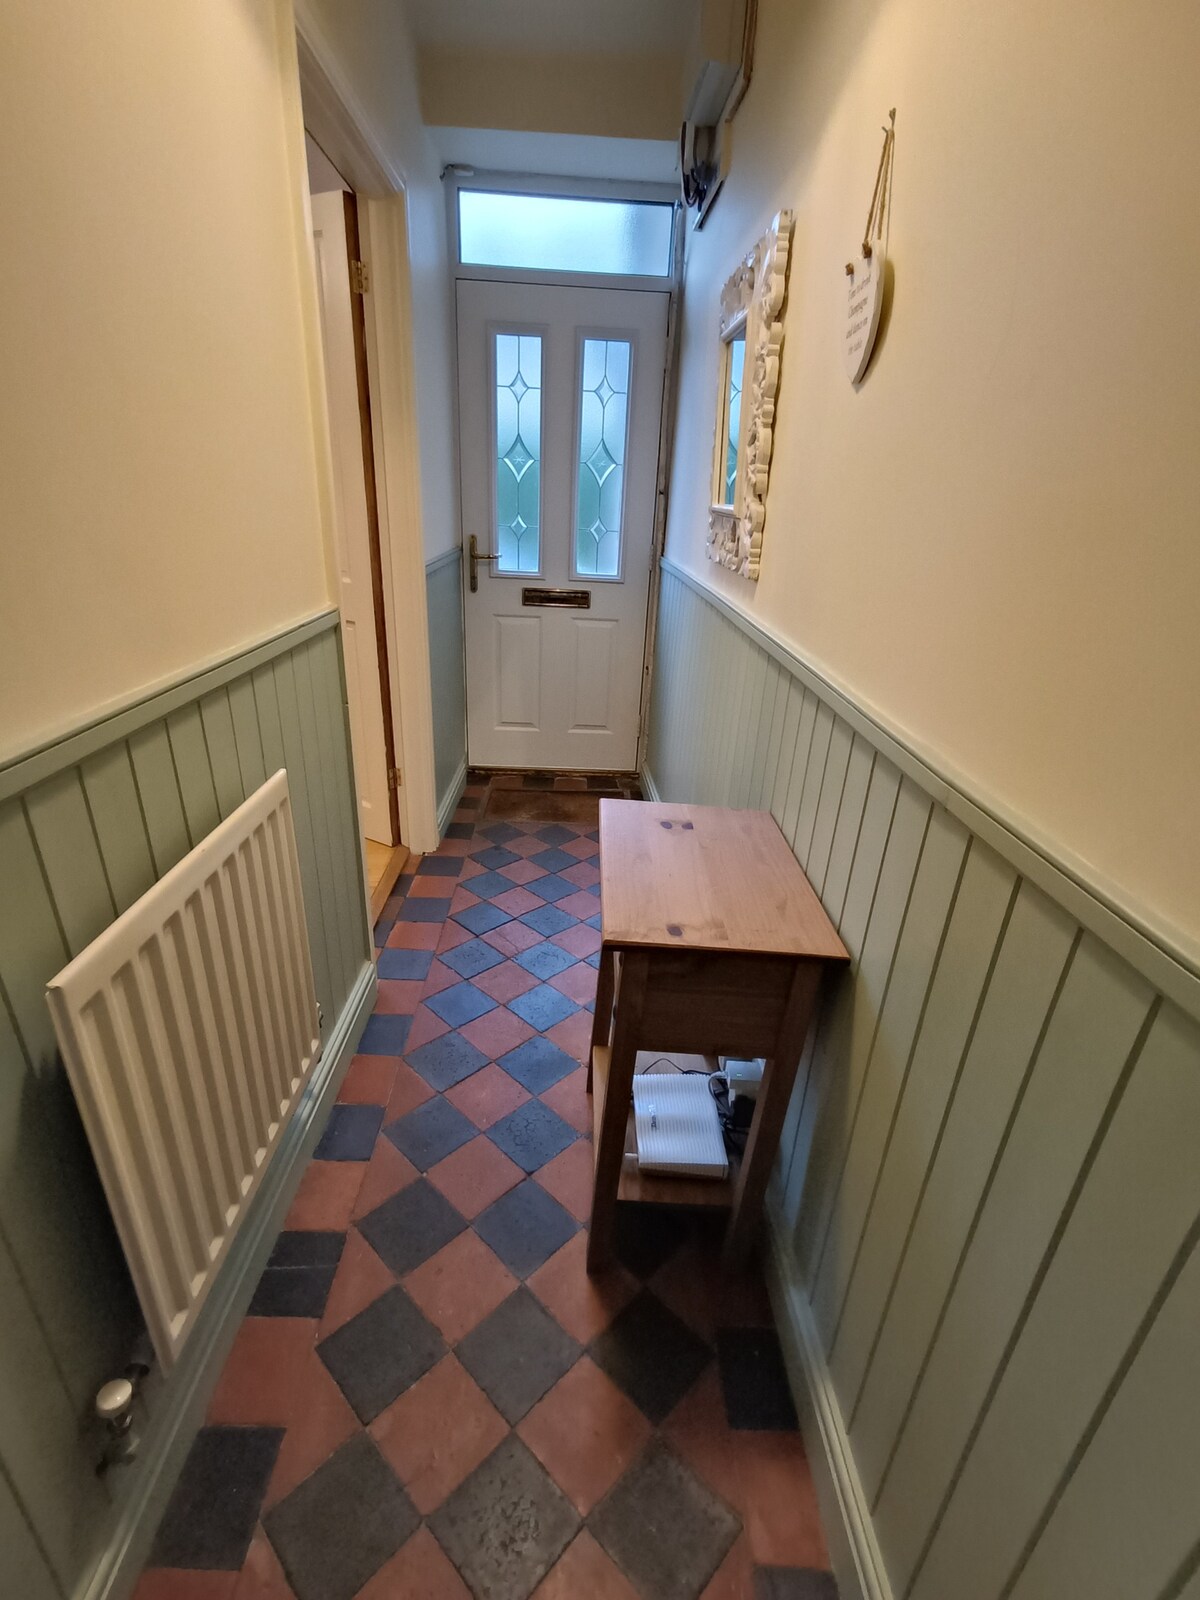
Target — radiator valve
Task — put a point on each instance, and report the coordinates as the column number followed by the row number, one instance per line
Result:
column 114, row 1409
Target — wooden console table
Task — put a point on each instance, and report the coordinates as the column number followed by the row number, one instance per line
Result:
column 714, row 942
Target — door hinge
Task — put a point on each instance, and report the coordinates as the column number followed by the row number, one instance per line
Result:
column 396, row 778
column 360, row 277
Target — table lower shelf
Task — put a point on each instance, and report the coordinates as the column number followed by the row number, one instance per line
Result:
column 642, row 1187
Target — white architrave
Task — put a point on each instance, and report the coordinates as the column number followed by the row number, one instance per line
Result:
column 753, row 299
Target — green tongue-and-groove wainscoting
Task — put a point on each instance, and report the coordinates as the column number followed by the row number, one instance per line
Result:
column 985, row 1216
column 86, row 825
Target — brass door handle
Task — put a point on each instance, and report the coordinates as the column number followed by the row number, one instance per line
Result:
column 475, row 556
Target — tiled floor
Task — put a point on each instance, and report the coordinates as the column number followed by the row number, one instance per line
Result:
column 429, row 1397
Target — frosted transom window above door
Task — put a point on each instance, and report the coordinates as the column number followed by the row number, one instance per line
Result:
column 518, row 367
column 603, row 429
column 565, row 233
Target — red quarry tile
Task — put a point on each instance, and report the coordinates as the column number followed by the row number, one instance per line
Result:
column 581, row 847
column 360, row 1279
column 584, row 1572
column 368, row 1081
column 260, row 1381
column 695, row 1288
column 426, row 1025
column 569, row 1179
column 437, row 1433
column 177, row 1583
column 387, row 1173
column 583, row 1306
column 487, row 1095
column 462, row 899
column 581, row 905
column 421, row 1570
column 505, row 982
column 429, row 887
column 569, row 1097
column 573, row 1034
column 764, row 1476
column 522, row 871
column 584, row 875
column 579, row 941
column 454, row 847
column 474, row 1175
column 440, row 977
column 460, row 1285
column 585, row 1432
column 512, row 938
column 398, row 997
column 578, row 983
column 517, row 902
column 409, row 1090
column 321, row 1421
column 734, row 1578
column 497, row 1033
column 414, row 936
column 326, row 1195
column 261, row 1577
column 470, row 869
column 453, row 934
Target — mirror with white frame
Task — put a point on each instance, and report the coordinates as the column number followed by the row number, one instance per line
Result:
column 751, row 333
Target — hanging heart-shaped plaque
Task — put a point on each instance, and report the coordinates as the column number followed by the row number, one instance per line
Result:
column 864, row 298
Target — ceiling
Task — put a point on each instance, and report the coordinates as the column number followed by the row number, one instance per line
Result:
column 562, row 155
column 550, row 27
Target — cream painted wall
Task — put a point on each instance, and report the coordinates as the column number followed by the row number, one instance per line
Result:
column 161, row 499
column 372, row 43
column 994, row 542
column 621, row 96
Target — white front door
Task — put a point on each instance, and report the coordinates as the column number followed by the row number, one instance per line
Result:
column 560, row 405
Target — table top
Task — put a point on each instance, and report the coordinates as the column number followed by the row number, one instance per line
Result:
column 706, row 878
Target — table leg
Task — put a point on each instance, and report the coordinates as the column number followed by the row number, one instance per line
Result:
column 602, row 1020
column 770, row 1112
column 610, row 1151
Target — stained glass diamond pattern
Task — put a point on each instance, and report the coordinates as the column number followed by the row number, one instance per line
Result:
column 603, row 420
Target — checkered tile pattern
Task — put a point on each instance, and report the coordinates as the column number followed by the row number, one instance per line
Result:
column 429, row 1396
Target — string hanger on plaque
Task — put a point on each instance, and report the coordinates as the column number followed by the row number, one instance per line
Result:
column 864, row 298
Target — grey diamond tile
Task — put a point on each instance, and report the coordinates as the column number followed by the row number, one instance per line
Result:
column 405, row 964
column 440, row 866
column 425, row 909
column 430, row 1132
column 542, row 1007
column 651, row 1354
column 487, row 885
column 482, row 918
column 476, row 955
column 664, row 1529
column 412, row 1226
column 525, row 1227
column 544, row 960
column 517, row 1354
column 459, row 830
column 532, row 1135
column 552, row 860
column 648, row 1236
column 349, row 1134
column 461, row 1003
column 551, row 887
column 500, row 832
column 506, row 1526
column 297, row 1247
column 292, row 1292
column 548, row 920
column 556, row 834
column 794, row 1583
column 754, row 1380
column 446, row 1061
column 339, row 1527
column 210, row 1518
column 381, row 1352
column 494, row 857
column 537, row 1064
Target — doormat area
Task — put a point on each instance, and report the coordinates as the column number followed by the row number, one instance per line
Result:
column 543, row 805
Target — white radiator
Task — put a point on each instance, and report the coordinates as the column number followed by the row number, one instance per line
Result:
column 189, row 1029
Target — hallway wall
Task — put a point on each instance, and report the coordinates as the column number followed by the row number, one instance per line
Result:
column 161, row 491
column 985, row 1215
column 991, row 543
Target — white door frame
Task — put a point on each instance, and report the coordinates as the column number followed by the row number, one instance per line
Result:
column 336, row 120
column 605, row 189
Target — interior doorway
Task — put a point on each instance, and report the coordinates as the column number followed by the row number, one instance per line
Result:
column 341, row 285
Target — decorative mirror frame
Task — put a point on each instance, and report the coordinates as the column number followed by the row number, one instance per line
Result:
column 753, row 300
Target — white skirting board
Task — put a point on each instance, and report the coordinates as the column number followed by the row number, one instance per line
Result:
column 177, row 1413
column 448, row 803
column 845, row 1515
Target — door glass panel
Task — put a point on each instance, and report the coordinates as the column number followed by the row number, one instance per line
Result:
column 518, row 451
column 551, row 233
column 733, row 411
column 603, row 425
